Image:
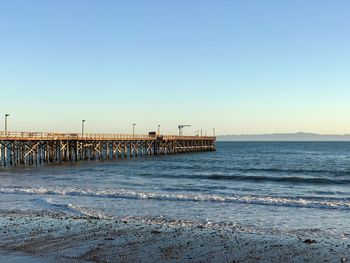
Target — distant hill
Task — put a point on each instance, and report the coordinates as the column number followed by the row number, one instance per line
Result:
column 300, row 136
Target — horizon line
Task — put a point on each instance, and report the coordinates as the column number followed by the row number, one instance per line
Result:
column 286, row 133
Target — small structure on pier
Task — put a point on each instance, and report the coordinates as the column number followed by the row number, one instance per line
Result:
column 38, row 147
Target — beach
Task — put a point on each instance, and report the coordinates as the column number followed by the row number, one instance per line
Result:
column 58, row 237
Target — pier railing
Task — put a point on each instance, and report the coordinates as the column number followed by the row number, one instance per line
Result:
column 10, row 135
column 177, row 137
column 50, row 147
column 70, row 136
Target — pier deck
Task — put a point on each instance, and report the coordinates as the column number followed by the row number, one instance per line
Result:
column 41, row 147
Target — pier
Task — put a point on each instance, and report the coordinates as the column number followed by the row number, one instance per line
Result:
column 36, row 148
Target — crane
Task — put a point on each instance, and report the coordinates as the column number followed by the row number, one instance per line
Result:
column 181, row 128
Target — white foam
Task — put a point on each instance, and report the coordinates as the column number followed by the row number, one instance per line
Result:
column 123, row 193
column 89, row 212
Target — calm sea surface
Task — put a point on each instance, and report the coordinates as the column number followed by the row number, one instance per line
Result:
column 296, row 188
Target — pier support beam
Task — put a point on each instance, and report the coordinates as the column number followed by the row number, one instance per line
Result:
column 36, row 149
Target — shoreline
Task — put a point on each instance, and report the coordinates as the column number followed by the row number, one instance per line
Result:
column 60, row 237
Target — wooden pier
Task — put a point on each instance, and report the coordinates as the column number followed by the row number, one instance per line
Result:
column 35, row 148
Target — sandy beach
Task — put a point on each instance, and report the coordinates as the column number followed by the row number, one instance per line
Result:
column 45, row 237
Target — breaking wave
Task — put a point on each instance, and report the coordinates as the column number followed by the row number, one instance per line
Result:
column 85, row 211
column 307, row 202
column 262, row 178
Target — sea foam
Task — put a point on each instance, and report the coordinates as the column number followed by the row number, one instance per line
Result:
column 307, row 202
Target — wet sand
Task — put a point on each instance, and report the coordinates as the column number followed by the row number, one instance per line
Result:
column 62, row 238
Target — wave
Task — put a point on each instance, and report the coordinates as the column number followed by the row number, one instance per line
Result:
column 85, row 211
column 294, row 171
column 288, row 179
column 306, row 202
column 256, row 178
column 223, row 167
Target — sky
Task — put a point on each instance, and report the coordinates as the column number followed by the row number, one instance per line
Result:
column 241, row 67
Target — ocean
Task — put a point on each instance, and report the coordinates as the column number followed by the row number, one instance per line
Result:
column 292, row 188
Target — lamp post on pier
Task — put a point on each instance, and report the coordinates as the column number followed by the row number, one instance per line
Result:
column 82, row 127
column 158, row 129
column 6, row 115
column 133, row 129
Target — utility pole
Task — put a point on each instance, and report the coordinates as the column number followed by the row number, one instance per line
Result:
column 5, row 149
column 6, row 115
column 82, row 128
column 133, row 129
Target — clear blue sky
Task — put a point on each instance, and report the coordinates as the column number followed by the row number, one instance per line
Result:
column 240, row 66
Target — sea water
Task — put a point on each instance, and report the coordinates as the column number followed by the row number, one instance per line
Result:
column 293, row 188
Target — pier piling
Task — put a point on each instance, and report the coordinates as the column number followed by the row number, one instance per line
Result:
column 37, row 148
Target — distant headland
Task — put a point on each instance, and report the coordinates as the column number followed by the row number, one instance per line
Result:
column 299, row 136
